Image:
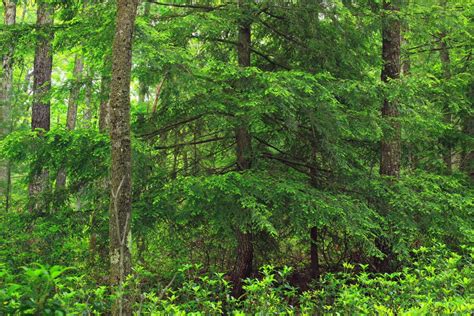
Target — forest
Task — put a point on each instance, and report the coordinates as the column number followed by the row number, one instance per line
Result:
column 236, row 157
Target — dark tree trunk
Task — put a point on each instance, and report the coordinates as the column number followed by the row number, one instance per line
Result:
column 314, row 232
column 6, row 86
column 40, row 119
column 391, row 139
column 315, row 270
column 121, row 170
column 244, row 253
column 390, row 144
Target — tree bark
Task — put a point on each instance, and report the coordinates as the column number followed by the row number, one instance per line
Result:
column 244, row 259
column 121, row 170
column 390, row 151
column 43, row 64
column 391, row 139
column 40, row 119
column 6, row 87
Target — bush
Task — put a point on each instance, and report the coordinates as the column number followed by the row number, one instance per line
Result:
column 435, row 282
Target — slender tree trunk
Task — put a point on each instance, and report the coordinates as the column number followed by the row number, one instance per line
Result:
column 390, row 144
column 467, row 156
column 446, row 66
column 6, row 87
column 43, row 63
column 74, row 94
column 314, row 231
column 406, row 61
column 315, row 269
column 157, row 94
column 88, row 100
column 121, row 171
column 104, row 103
column 244, row 259
column 104, row 97
column 71, row 112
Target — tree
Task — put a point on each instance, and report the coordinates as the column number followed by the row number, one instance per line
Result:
column 72, row 110
column 244, row 259
column 121, row 169
column 6, row 86
column 390, row 143
column 42, row 68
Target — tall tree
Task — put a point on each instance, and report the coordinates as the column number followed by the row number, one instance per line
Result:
column 42, row 68
column 6, row 86
column 390, row 143
column 446, row 68
column 121, row 171
column 72, row 110
column 467, row 155
column 243, row 265
column 74, row 94
column 104, row 106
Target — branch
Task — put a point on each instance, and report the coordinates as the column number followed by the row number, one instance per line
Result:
column 285, row 36
column 158, row 93
column 188, row 6
column 215, row 139
column 437, row 49
column 226, row 41
column 170, row 127
column 269, row 59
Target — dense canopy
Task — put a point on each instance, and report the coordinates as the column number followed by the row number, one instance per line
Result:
column 236, row 157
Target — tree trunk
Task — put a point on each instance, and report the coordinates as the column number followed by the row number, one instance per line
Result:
column 40, row 119
column 244, row 259
column 314, row 232
column 104, row 112
column 390, row 143
column 391, row 138
column 88, row 100
column 121, row 170
column 74, row 94
column 71, row 112
column 467, row 156
column 315, row 270
column 446, row 66
column 6, row 86
column 104, row 117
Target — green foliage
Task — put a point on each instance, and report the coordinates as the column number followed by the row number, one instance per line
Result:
column 41, row 290
column 435, row 281
column 311, row 102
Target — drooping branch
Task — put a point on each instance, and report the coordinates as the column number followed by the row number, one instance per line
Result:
column 204, row 141
column 252, row 49
column 171, row 126
column 158, row 93
column 189, row 6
